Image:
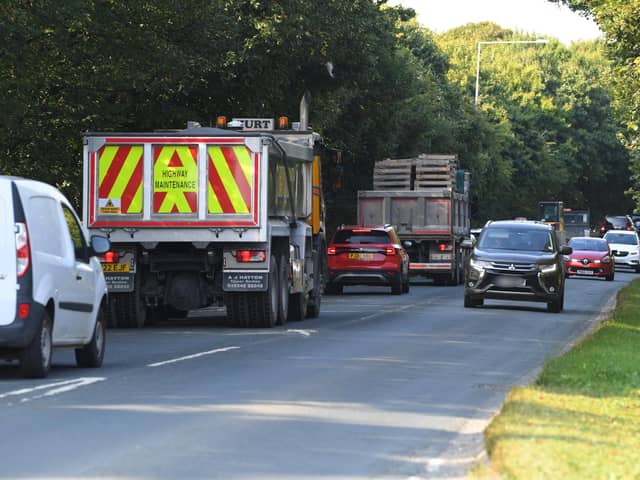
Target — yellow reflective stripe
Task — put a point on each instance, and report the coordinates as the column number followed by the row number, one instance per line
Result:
column 177, row 199
column 108, row 154
column 227, row 180
column 243, row 156
column 136, row 203
column 214, row 204
column 126, row 172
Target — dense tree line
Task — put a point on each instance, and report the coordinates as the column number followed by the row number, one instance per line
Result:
column 381, row 86
column 620, row 22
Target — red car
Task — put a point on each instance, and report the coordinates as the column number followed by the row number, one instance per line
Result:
column 591, row 257
column 360, row 255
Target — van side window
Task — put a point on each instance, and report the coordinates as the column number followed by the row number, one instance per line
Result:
column 77, row 238
column 45, row 226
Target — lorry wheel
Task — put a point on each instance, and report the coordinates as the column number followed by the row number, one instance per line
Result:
column 298, row 306
column 35, row 358
column 315, row 295
column 264, row 305
column 130, row 310
column 283, row 290
column 92, row 354
column 237, row 309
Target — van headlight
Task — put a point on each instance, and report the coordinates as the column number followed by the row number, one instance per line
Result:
column 547, row 269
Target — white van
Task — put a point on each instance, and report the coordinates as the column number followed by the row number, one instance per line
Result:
column 52, row 289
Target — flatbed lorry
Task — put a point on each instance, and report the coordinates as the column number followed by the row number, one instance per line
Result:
column 426, row 199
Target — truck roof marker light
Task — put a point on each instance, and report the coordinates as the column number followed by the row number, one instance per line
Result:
column 111, row 257
column 245, row 256
column 331, row 251
column 283, row 123
column 221, row 121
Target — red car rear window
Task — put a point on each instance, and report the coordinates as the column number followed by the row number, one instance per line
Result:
column 349, row 236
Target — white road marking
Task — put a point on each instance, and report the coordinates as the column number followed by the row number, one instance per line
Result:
column 52, row 389
column 305, row 333
column 189, row 357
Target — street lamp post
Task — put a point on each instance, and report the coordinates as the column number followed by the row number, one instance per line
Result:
column 538, row 41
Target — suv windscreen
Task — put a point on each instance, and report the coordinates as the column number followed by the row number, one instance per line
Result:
column 528, row 240
column 351, row 236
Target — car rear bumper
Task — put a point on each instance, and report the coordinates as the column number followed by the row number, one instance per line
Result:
column 363, row 277
column 21, row 331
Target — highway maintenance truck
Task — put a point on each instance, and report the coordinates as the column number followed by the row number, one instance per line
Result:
column 426, row 199
column 209, row 217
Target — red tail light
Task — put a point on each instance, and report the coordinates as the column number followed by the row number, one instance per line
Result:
column 244, row 256
column 390, row 251
column 602, row 228
column 111, row 257
column 23, row 310
column 331, row 251
column 444, row 247
column 23, row 251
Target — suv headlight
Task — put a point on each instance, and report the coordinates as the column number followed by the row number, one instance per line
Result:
column 547, row 269
column 479, row 265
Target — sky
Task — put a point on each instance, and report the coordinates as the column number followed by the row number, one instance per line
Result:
column 531, row 16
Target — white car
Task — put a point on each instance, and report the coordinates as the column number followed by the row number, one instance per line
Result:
column 52, row 289
column 625, row 248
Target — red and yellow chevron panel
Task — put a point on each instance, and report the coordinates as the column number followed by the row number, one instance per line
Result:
column 120, row 179
column 231, row 177
column 175, row 179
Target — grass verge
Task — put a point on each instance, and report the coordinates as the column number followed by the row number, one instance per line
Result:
column 581, row 418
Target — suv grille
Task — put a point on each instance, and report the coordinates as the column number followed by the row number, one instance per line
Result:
column 512, row 267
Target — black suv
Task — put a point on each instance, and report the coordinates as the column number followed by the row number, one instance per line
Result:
column 516, row 260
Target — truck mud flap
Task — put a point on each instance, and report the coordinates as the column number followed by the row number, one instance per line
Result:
column 245, row 281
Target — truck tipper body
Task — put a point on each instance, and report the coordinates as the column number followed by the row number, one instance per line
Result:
column 208, row 216
column 426, row 199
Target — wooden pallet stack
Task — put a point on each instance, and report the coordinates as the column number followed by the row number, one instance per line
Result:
column 436, row 171
column 393, row 174
column 424, row 172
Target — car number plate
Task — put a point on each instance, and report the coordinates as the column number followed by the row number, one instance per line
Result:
column 506, row 281
column 360, row 256
column 116, row 267
column 585, row 272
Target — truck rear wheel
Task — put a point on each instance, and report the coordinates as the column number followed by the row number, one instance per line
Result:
column 283, row 290
column 129, row 310
column 298, row 306
column 237, row 309
column 264, row 306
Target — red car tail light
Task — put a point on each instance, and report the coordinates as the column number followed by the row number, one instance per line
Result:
column 23, row 251
column 331, row 251
column 390, row 251
column 245, row 256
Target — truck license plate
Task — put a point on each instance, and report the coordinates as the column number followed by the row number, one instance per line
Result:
column 116, row 267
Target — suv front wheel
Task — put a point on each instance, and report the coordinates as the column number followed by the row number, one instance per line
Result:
column 470, row 302
column 556, row 305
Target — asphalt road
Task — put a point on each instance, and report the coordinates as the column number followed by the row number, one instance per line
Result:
column 379, row 386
